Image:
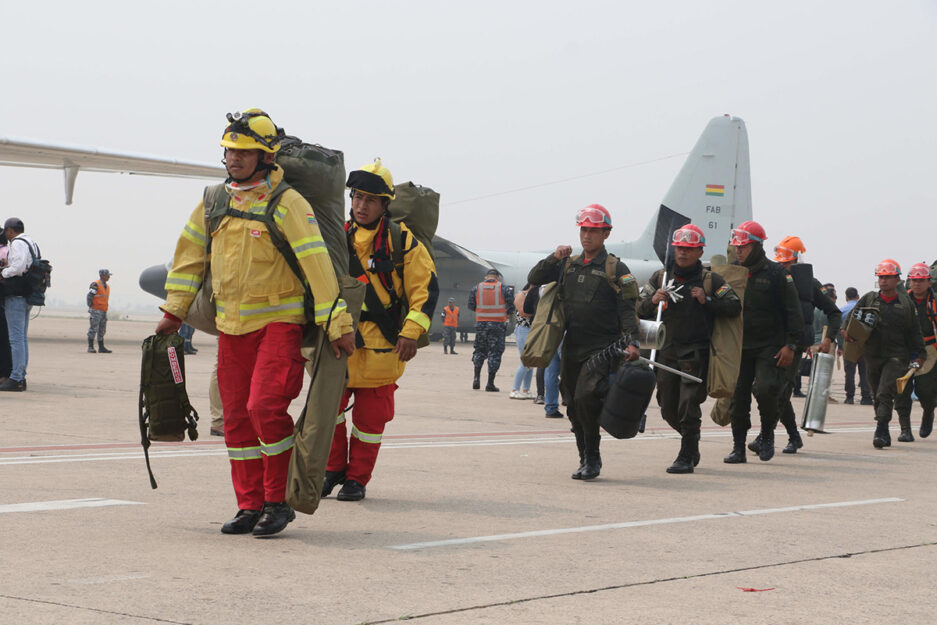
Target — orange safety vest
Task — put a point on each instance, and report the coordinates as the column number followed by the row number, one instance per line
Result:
column 101, row 295
column 489, row 304
column 452, row 317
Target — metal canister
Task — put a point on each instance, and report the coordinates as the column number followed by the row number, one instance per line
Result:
column 821, row 378
column 651, row 334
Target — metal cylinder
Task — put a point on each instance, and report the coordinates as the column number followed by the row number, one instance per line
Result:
column 821, row 377
column 651, row 334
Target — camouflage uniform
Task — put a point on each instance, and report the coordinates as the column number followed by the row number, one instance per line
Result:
column 489, row 335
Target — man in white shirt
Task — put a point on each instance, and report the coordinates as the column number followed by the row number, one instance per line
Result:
column 16, row 308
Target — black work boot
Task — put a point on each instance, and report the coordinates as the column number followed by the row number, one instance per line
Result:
column 755, row 445
column 476, row 383
column 592, row 466
column 273, row 519
column 581, row 446
column 102, row 349
column 927, row 424
column 738, row 448
column 445, row 349
column 332, row 479
column 490, row 387
column 242, row 523
column 91, row 346
column 689, row 450
column 906, row 436
column 794, row 443
column 353, row 490
column 881, row 438
column 766, row 452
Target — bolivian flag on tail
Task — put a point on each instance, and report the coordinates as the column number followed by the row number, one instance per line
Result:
column 719, row 190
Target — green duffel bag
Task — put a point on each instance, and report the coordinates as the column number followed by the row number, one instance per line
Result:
column 418, row 207
column 318, row 174
column 165, row 413
column 547, row 329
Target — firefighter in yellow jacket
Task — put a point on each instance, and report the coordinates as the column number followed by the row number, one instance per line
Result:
column 259, row 314
column 398, row 308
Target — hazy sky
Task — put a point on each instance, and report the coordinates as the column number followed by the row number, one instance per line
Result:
column 479, row 98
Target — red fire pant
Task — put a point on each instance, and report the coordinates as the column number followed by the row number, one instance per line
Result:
column 259, row 374
column 373, row 408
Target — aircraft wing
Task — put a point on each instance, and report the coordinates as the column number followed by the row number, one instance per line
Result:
column 72, row 159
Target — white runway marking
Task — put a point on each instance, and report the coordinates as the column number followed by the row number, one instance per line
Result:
column 65, row 504
column 415, row 443
column 615, row 526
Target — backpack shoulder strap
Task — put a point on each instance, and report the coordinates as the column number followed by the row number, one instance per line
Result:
column 611, row 272
column 708, row 282
column 396, row 241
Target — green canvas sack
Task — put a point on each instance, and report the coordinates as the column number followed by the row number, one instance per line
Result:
column 165, row 413
column 418, row 208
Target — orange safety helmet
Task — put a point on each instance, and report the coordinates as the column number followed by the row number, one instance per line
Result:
column 688, row 236
column 789, row 250
column 748, row 232
column 888, row 267
column 594, row 216
column 919, row 271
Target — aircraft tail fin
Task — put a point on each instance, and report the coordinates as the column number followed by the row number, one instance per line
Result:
column 713, row 190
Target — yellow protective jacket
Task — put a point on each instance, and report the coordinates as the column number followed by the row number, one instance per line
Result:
column 376, row 364
column 252, row 284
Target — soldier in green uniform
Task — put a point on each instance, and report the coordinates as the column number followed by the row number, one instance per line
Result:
column 924, row 384
column 772, row 326
column 894, row 344
column 688, row 317
column 598, row 296
column 812, row 295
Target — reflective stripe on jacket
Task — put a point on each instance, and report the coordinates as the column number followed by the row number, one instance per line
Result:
column 101, row 294
column 489, row 303
column 452, row 317
column 252, row 283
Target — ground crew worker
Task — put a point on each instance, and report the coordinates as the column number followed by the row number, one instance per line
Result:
column 925, row 384
column 492, row 302
column 894, row 344
column 450, row 323
column 689, row 323
column 772, row 324
column 811, row 294
column 98, row 295
column 260, row 316
column 398, row 308
column 598, row 312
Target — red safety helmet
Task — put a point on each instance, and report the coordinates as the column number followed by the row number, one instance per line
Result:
column 748, row 232
column 789, row 250
column 919, row 271
column 688, row 236
column 594, row 216
column 888, row 267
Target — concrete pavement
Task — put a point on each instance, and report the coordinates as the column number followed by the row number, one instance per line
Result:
column 471, row 516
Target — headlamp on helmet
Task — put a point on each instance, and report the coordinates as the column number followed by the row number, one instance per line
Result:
column 251, row 130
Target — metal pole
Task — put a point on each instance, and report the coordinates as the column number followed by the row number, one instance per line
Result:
column 674, row 371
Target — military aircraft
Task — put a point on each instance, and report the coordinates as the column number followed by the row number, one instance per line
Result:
column 712, row 190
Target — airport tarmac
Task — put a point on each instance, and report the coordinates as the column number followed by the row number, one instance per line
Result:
column 471, row 516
